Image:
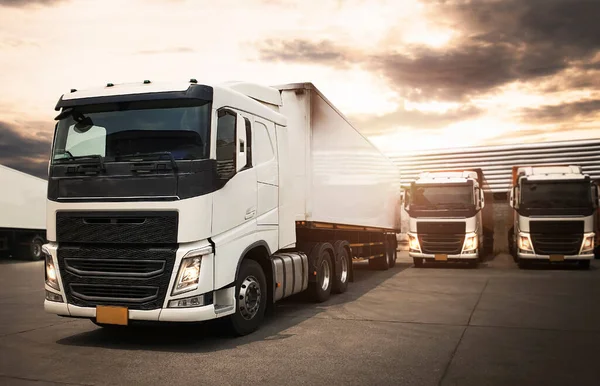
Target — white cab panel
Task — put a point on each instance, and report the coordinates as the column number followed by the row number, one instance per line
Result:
column 22, row 200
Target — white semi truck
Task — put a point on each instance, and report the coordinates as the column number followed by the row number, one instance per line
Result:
column 22, row 214
column 187, row 202
column 447, row 221
column 554, row 214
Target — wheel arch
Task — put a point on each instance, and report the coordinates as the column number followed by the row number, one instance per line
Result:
column 260, row 252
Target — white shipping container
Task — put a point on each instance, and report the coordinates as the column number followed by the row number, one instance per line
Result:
column 22, row 200
column 338, row 175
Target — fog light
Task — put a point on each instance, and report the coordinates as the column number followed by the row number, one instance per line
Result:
column 51, row 296
column 194, row 301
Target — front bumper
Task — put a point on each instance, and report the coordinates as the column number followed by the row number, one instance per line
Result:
column 531, row 256
column 432, row 257
column 193, row 314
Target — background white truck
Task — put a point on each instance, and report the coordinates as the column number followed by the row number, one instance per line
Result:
column 187, row 202
column 22, row 214
column 554, row 214
column 448, row 218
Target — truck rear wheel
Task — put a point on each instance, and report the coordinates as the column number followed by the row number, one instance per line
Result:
column 251, row 299
column 35, row 249
column 320, row 289
column 342, row 267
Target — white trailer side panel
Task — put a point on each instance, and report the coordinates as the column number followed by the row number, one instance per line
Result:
column 22, row 200
column 339, row 176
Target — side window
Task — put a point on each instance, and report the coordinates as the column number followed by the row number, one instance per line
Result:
column 226, row 146
column 262, row 144
column 249, row 143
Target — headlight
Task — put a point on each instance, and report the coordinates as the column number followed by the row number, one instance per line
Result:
column 413, row 243
column 470, row 243
column 588, row 243
column 525, row 243
column 50, row 272
column 189, row 270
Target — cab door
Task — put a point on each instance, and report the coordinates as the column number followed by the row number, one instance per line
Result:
column 234, row 204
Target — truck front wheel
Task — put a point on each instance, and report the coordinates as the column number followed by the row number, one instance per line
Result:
column 251, row 299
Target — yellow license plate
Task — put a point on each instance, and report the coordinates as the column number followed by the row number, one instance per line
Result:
column 112, row 315
column 557, row 258
column 441, row 257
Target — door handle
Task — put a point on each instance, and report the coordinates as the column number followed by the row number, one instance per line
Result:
column 250, row 212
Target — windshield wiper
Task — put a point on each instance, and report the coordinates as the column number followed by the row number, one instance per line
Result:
column 145, row 156
column 71, row 157
column 92, row 168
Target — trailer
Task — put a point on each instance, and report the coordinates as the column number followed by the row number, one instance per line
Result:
column 187, row 202
column 449, row 220
column 22, row 214
column 554, row 215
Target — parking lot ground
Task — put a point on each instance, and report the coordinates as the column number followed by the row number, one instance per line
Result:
column 495, row 325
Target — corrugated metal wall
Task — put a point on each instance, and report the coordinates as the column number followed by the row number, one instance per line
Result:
column 497, row 161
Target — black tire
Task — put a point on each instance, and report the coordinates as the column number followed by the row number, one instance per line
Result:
column 512, row 248
column 382, row 263
column 584, row 264
column 320, row 289
column 35, row 249
column 251, row 287
column 342, row 267
column 418, row 262
column 393, row 251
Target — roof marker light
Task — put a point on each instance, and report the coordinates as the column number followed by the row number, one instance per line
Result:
column 73, row 89
column 109, row 85
column 146, row 81
column 193, row 80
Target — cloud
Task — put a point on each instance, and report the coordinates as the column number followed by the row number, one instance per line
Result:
column 27, row 153
column 415, row 119
column 25, row 3
column 575, row 112
column 499, row 42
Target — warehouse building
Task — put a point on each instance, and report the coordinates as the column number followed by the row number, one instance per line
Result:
column 496, row 163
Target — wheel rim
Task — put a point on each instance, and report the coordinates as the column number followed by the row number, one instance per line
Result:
column 249, row 298
column 325, row 275
column 344, row 269
column 37, row 249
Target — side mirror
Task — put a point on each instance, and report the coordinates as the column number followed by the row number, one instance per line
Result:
column 595, row 196
column 516, row 195
column 511, row 197
column 227, row 144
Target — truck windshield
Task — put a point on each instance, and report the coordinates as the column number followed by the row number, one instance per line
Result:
column 181, row 128
column 442, row 196
column 545, row 195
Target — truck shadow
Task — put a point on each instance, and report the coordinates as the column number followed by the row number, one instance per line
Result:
column 211, row 336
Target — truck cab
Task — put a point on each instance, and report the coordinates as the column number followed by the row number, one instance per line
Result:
column 445, row 216
column 554, row 214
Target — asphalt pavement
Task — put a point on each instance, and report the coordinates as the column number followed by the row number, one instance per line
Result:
column 495, row 325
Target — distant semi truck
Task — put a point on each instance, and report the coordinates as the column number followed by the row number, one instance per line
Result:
column 22, row 214
column 555, row 214
column 448, row 218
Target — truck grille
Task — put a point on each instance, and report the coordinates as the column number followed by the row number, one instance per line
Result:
column 556, row 244
column 447, row 244
column 556, row 237
column 136, row 277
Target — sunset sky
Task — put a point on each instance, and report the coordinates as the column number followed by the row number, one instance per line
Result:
column 411, row 74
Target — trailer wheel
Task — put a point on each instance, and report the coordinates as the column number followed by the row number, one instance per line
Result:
column 35, row 249
column 342, row 267
column 251, row 299
column 320, row 288
column 393, row 251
